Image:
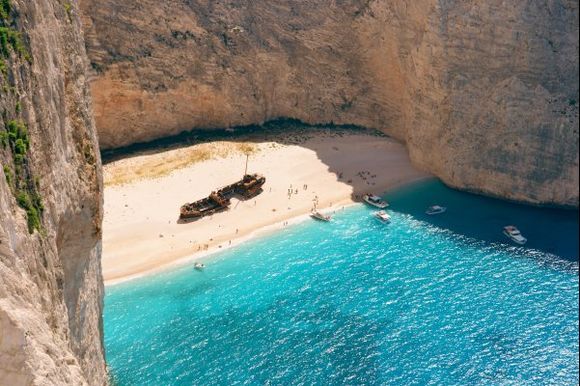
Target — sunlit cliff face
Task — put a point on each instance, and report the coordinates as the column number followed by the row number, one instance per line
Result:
column 50, row 202
column 483, row 93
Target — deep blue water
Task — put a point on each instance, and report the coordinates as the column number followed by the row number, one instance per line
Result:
column 424, row 300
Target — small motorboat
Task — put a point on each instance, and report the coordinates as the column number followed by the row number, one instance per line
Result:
column 514, row 234
column 319, row 216
column 199, row 266
column 435, row 209
column 383, row 216
column 375, row 201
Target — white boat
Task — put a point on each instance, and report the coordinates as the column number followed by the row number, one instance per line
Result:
column 199, row 266
column 375, row 201
column 435, row 209
column 319, row 216
column 383, row 216
column 514, row 234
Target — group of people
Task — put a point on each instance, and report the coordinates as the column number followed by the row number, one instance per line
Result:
column 292, row 190
column 203, row 247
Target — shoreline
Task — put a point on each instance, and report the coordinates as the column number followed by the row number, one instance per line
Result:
column 207, row 254
column 138, row 242
column 256, row 233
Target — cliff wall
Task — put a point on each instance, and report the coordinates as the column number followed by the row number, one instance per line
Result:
column 484, row 93
column 51, row 287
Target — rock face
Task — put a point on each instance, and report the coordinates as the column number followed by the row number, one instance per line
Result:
column 484, row 93
column 51, row 288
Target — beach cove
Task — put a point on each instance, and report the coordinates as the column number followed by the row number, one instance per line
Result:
column 329, row 169
column 444, row 299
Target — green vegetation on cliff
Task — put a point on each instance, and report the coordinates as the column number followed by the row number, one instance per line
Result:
column 20, row 180
column 5, row 9
column 14, row 138
column 10, row 38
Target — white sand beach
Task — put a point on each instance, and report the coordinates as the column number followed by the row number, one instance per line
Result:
column 143, row 193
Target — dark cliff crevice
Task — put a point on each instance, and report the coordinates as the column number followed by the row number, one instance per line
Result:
column 200, row 135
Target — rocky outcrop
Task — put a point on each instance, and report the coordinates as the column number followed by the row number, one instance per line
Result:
column 484, row 93
column 51, row 288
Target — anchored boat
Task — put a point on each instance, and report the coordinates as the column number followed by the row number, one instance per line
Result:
column 319, row 216
column 383, row 216
column 435, row 209
column 375, row 201
column 514, row 234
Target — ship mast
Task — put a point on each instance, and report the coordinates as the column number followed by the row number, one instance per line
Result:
column 246, row 171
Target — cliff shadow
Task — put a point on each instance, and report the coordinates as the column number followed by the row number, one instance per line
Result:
column 284, row 132
column 550, row 230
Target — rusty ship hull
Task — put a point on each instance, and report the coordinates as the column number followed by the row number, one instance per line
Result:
column 249, row 186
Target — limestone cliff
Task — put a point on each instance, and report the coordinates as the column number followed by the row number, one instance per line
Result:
column 50, row 201
column 484, row 93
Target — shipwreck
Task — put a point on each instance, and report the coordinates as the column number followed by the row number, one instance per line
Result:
column 249, row 186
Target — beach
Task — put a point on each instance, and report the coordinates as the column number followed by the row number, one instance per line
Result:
column 324, row 169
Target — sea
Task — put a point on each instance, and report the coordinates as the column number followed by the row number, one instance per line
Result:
column 423, row 300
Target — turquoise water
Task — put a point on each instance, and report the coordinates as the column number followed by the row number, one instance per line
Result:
column 424, row 300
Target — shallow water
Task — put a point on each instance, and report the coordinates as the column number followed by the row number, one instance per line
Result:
column 423, row 300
